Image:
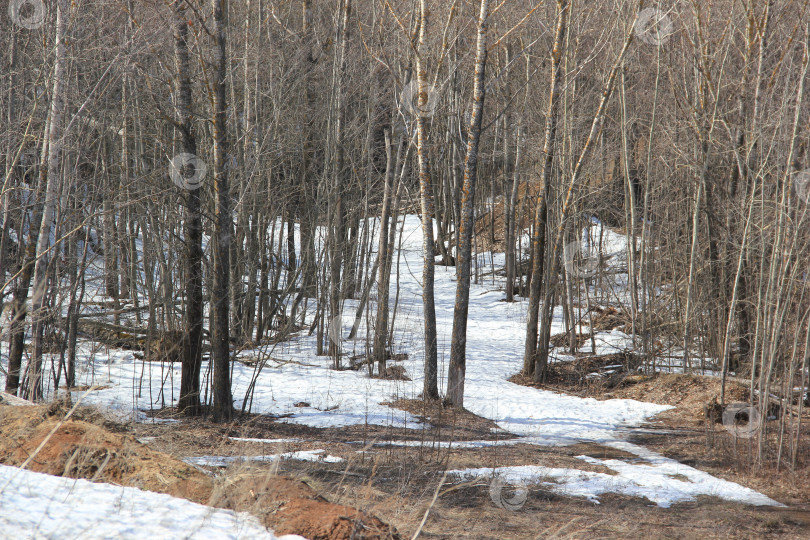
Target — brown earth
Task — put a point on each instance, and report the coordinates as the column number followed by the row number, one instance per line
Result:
column 45, row 440
column 527, row 194
column 398, row 483
column 690, row 433
column 81, row 447
column 692, row 396
column 689, row 394
column 455, row 423
column 290, row 506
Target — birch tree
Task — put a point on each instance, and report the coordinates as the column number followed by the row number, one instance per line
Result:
column 458, row 348
column 52, row 186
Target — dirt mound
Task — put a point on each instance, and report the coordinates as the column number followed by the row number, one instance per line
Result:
column 695, row 397
column 83, row 447
column 441, row 421
column 77, row 448
column 690, row 394
column 290, row 506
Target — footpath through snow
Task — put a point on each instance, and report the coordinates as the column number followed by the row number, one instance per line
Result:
column 294, row 376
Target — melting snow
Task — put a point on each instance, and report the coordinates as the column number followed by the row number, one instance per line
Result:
column 42, row 506
column 224, row 461
column 495, row 339
column 659, row 480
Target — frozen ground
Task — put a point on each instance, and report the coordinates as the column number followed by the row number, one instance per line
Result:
column 291, row 380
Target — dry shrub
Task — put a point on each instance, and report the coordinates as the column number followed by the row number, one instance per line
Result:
column 690, row 394
column 290, row 506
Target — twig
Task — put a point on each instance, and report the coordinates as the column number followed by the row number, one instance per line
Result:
column 432, row 502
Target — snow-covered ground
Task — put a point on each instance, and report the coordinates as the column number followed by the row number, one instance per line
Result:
column 295, row 383
column 301, row 455
column 42, row 506
column 660, row 480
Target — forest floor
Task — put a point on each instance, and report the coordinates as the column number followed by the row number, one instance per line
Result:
column 394, row 473
column 575, row 458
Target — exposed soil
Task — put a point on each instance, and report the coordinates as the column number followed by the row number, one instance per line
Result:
column 398, row 483
column 290, row 506
column 690, row 432
column 689, row 394
column 456, row 424
column 42, row 439
column 694, row 397
column 82, row 448
column 380, row 483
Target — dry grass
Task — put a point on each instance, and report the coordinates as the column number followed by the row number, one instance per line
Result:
column 45, row 440
column 83, row 448
column 397, row 484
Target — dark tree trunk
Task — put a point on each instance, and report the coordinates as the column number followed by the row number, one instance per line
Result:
column 189, row 399
column 381, row 324
column 430, row 389
column 220, row 295
column 458, row 345
column 539, row 232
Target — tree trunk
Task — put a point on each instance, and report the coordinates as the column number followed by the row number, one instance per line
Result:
column 431, row 389
column 381, row 324
column 550, row 271
column 458, row 345
column 52, row 184
column 220, row 294
column 541, row 213
column 189, row 399
column 512, row 227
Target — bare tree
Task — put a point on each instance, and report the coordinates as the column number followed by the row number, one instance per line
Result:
column 223, row 226
column 431, row 389
column 52, row 186
column 458, row 347
column 541, row 213
column 189, row 399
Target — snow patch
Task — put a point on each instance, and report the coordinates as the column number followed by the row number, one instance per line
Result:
column 224, row 461
column 38, row 505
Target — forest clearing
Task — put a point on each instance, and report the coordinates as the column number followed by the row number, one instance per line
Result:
column 411, row 269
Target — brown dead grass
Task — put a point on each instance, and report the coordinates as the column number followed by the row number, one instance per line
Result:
column 397, row 484
column 686, row 434
column 483, row 223
column 689, row 394
column 456, row 423
column 290, row 506
column 608, row 318
column 82, row 447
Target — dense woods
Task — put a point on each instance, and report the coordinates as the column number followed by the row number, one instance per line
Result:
column 230, row 172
